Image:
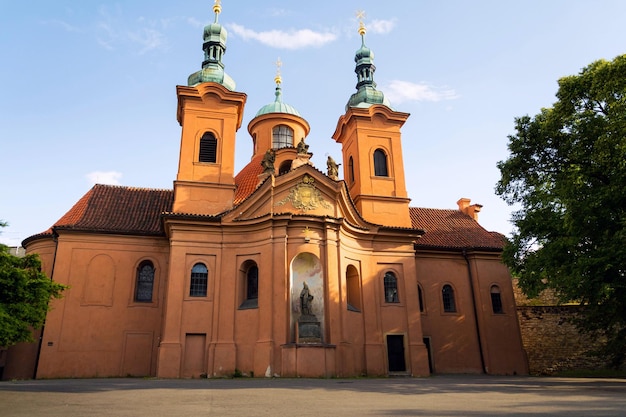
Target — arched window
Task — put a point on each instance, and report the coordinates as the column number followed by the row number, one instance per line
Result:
column 284, row 167
column 249, row 275
column 144, row 282
column 496, row 300
column 252, row 283
column 208, row 148
column 282, row 136
column 199, row 280
column 391, row 288
column 420, row 298
column 380, row 163
column 351, row 170
column 353, row 290
column 447, row 294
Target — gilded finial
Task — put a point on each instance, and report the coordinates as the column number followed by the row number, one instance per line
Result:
column 278, row 79
column 217, row 8
column 360, row 14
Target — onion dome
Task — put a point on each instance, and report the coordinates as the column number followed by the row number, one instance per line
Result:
column 214, row 47
column 366, row 94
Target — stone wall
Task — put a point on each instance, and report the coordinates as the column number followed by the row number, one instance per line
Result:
column 552, row 342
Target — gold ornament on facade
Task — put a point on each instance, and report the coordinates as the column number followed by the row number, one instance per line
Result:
column 305, row 196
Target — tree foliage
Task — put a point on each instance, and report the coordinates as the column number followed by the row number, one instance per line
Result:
column 567, row 172
column 25, row 292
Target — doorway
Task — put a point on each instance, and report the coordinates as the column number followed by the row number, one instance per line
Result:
column 395, row 353
column 431, row 366
column 193, row 361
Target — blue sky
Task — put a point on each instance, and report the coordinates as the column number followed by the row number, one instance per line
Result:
column 87, row 88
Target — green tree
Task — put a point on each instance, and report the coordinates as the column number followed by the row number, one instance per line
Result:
column 25, row 292
column 567, row 172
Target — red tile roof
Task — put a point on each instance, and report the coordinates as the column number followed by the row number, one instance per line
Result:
column 130, row 210
column 452, row 229
column 247, row 179
column 116, row 209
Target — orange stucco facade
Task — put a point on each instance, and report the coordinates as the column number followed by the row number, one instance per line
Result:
column 207, row 279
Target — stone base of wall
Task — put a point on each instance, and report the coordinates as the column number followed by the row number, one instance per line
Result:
column 552, row 343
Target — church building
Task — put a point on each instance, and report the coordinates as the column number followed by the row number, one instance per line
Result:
column 279, row 270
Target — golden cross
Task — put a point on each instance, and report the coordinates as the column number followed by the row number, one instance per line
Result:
column 278, row 79
column 279, row 64
column 360, row 14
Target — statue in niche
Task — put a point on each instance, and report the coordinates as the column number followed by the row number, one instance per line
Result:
column 332, row 168
column 268, row 161
column 302, row 147
column 305, row 300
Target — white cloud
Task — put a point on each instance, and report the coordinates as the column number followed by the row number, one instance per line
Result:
column 149, row 39
column 294, row 39
column 276, row 12
column 104, row 177
column 398, row 91
column 109, row 37
column 194, row 22
column 381, row 26
column 63, row 25
column 113, row 32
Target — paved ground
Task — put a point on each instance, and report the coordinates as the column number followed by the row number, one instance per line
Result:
column 435, row 396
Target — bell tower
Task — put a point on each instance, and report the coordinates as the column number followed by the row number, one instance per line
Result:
column 370, row 138
column 210, row 113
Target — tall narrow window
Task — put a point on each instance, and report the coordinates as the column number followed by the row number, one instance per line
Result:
column 351, row 170
column 144, row 282
column 380, row 163
column 420, row 298
column 199, row 280
column 252, row 283
column 282, row 136
column 353, row 290
column 447, row 294
column 208, row 148
column 249, row 276
column 391, row 288
column 496, row 300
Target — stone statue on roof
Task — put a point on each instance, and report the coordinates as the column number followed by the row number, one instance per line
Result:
column 268, row 161
column 302, row 147
column 332, row 168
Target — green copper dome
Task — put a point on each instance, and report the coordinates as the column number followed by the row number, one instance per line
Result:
column 366, row 94
column 277, row 106
column 215, row 32
column 366, row 97
column 214, row 47
column 364, row 55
